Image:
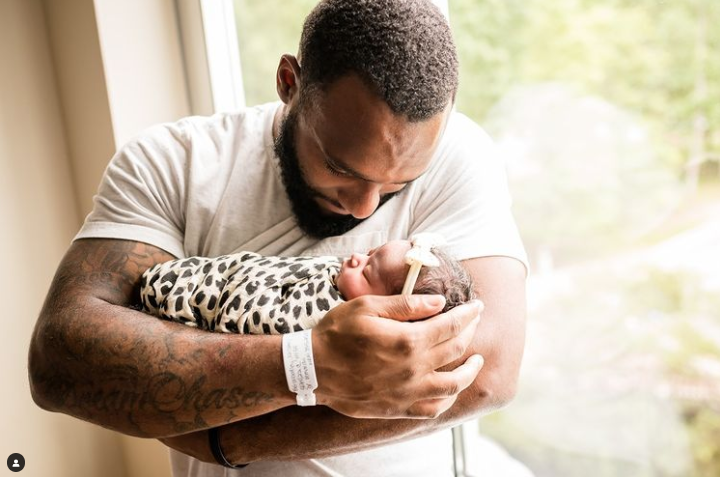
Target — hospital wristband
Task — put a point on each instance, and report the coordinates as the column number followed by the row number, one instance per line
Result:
column 300, row 366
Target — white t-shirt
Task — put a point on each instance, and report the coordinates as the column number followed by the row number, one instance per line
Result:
column 210, row 186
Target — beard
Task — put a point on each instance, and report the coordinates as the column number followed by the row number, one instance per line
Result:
column 312, row 219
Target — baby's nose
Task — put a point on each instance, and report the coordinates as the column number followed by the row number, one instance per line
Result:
column 356, row 259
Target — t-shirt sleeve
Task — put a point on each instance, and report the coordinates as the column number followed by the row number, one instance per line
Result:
column 140, row 195
column 466, row 199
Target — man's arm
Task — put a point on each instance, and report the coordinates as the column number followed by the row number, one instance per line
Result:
column 94, row 357
column 302, row 433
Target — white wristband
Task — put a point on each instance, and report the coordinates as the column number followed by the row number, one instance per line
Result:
column 299, row 366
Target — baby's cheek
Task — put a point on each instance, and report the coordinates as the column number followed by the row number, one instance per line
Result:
column 346, row 285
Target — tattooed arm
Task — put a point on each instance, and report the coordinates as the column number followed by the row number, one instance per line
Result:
column 94, row 356
column 319, row 432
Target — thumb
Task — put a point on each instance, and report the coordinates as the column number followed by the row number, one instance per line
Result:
column 408, row 307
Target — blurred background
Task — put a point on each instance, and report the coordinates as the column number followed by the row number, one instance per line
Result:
column 607, row 115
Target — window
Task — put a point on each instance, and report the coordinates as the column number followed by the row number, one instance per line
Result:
column 608, row 117
column 267, row 30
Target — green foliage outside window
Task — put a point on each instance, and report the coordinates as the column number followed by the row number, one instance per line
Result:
column 608, row 115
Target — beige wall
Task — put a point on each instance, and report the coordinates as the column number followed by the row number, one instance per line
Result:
column 82, row 92
column 143, row 61
column 59, row 125
column 39, row 217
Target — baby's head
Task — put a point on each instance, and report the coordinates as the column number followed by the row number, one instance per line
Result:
column 382, row 271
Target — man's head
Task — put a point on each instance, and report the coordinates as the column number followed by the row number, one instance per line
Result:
column 365, row 107
column 402, row 50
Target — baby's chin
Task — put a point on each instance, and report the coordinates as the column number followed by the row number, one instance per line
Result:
column 340, row 283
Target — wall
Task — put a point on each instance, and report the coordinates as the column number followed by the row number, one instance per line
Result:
column 143, row 65
column 39, row 217
column 78, row 77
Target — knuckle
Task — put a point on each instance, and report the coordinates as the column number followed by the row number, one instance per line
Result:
column 417, row 412
column 409, row 373
column 455, row 324
column 458, row 348
column 406, row 345
column 447, row 388
column 361, row 302
column 452, row 388
column 404, row 304
column 432, row 410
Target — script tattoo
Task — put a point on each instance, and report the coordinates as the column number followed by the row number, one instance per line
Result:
column 110, row 370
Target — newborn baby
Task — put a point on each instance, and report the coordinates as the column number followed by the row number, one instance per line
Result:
column 254, row 294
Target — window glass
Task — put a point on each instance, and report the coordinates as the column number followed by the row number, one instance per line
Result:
column 608, row 117
column 266, row 30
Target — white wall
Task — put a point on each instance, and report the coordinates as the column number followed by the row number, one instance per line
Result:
column 143, row 65
column 39, row 217
column 77, row 77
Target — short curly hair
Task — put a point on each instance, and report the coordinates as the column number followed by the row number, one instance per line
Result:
column 401, row 49
column 449, row 279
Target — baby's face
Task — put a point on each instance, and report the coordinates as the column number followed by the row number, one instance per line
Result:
column 374, row 273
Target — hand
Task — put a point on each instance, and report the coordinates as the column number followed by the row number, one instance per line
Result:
column 373, row 361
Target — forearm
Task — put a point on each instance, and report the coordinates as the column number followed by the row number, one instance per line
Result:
column 95, row 358
column 306, row 433
column 145, row 377
column 301, row 433
column 295, row 434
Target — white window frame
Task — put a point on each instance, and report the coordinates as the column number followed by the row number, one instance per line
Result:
column 211, row 55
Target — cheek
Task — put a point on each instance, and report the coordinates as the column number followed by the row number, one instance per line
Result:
column 313, row 166
column 352, row 285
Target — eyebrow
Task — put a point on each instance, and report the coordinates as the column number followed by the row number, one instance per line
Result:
column 342, row 166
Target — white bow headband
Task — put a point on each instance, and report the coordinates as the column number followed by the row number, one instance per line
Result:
column 420, row 254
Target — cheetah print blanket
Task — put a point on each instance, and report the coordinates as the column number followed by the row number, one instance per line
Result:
column 243, row 293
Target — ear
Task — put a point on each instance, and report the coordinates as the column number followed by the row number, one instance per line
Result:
column 287, row 79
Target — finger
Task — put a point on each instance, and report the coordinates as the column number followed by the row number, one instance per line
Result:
column 430, row 408
column 450, row 324
column 449, row 351
column 404, row 307
column 443, row 384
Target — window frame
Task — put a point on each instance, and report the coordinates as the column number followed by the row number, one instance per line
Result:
column 211, row 55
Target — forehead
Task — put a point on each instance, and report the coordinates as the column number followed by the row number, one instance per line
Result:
column 394, row 250
column 353, row 127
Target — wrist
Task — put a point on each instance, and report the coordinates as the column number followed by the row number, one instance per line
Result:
column 214, row 437
column 264, row 371
column 322, row 371
column 299, row 366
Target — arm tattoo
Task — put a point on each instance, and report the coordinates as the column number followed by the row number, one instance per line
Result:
column 106, row 362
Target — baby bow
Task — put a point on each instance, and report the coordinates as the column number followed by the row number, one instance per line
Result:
column 420, row 254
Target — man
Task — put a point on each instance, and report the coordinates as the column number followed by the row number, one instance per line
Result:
column 363, row 148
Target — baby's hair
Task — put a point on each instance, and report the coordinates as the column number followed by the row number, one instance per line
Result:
column 448, row 279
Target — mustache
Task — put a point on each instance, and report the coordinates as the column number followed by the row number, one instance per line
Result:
column 309, row 216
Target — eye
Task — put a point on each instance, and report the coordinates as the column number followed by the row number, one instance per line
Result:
column 335, row 171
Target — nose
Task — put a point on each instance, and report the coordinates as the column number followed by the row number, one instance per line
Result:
column 361, row 201
column 357, row 259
